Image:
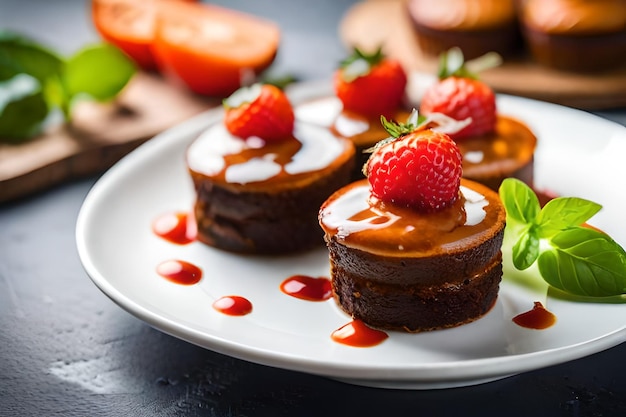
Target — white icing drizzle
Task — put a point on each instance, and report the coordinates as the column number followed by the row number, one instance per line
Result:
column 255, row 169
column 474, row 206
column 474, row 157
column 322, row 111
column 337, row 214
column 354, row 201
column 348, row 127
column 206, row 154
column 319, row 149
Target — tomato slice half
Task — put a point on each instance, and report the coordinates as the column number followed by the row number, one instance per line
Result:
column 213, row 50
column 129, row 25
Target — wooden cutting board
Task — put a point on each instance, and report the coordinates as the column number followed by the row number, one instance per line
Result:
column 385, row 23
column 99, row 135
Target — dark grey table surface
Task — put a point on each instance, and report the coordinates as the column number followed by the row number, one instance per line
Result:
column 66, row 349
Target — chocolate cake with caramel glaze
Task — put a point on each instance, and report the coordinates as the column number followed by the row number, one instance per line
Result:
column 363, row 131
column 508, row 151
column 398, row 269
column 257, row 197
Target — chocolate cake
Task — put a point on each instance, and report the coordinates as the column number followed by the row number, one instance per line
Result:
column 508, row 151
column 363, row 131
column 576, row 35
column 257, row 197
column 395, row 268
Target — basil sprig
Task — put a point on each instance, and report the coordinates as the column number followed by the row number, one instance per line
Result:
column 34, row 80
column 570, row 256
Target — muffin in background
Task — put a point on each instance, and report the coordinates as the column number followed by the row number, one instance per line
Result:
column 475, row 26
column 575, row 35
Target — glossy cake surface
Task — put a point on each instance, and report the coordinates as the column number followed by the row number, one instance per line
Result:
column 506, row 152
column 398, row 269
column 259, row 197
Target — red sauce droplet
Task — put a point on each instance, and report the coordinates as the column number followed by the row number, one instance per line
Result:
column 180, row 272
column 538, row 318
column 175, row 227
column 307, row 288
column 358, row 334
column 233, row 305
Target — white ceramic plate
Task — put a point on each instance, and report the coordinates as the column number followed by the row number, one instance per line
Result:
column 578, row 154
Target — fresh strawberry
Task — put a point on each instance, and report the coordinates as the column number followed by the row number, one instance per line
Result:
column 261, row 110
column 460, row 94
column 370, row 84
column 418, row 168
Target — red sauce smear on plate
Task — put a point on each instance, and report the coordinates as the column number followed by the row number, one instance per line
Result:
column 175, row 227
column 180, row 272
column 307, row 288
column 358, row 334
column 538, row 318
column 233, row 305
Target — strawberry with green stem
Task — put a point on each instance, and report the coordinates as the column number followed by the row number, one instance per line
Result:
column 460, row 94
column 261, row 110
column 370, row 84
column 417, row 167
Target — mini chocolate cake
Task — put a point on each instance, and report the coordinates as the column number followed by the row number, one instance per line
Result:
column 398, row 269
column 506, row 152
column 576, row 35
column 475, row 26
column 363, row 131
column 257, row 197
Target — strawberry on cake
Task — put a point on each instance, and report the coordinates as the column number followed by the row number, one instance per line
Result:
column 261, row 175
column 414, row 247
column 366, row 86
column 494, row 146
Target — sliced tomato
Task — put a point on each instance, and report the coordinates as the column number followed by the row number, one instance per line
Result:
column 129, row 25
column 213, row 50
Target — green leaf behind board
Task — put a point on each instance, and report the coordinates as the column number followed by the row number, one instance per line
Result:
column 23, row 108
column 100, row 71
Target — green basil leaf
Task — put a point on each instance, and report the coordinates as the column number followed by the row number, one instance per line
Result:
column 526, row 249
column 584, row 262
column 564, row 212
column 21, row 55
column 100, row 70
column 23, row 108
column 520, row 201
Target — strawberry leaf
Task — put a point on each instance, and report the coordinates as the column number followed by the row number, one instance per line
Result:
column 584, row 262
column 452, row 63
column 359, row 63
